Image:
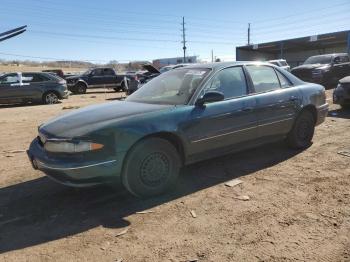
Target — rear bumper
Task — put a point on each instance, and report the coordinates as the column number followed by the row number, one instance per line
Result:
column 74, row 173
column 322, row 112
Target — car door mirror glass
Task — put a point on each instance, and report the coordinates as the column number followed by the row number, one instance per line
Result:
column 210, row 97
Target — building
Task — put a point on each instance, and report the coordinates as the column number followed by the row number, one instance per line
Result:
column 296, row 50
column 174, row 61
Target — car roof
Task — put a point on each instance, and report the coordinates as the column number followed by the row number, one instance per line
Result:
column 220, row 65
column 277, row 60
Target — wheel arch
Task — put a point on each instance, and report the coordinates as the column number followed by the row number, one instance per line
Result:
column 174, row 139
column 311, row 109
column 80, row 81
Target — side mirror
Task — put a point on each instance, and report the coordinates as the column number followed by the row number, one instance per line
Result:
column 209, row 97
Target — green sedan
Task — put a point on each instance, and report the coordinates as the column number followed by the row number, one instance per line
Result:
column 183, row 116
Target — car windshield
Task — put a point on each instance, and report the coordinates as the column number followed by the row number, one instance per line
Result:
column 319, row 59
column 88, row 72
column 175, row 87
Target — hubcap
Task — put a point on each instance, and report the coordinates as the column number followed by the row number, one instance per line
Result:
column 154, row 169
column 51, row 98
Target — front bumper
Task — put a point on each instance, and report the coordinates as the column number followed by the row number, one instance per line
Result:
column 76, row 173
column 65, row 94
column 322, row 112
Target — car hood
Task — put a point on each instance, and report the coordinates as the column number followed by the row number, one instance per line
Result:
column 345, row 80
column 150, row 68
column 308, row 67
column 85, row 120
column 73, row 77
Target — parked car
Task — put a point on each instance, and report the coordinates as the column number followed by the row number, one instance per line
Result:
column 341, row 94
column 57, row 72
column 32, row 87
column 280, row 63
column 99, row 78
column 141, row 77
column 180, row 117
column 324, row 69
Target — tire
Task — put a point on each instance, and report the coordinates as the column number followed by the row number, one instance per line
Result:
column 50, row 98
column 151, row 167
column 80, row 88
column 300, row 137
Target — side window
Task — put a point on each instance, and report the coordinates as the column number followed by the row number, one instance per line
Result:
column 33, row 78
column 108, row 72
column 9, row 79
column 283, row 80
column 230, row 81
column 341, row 59
column 97, row 72
column 264, row 78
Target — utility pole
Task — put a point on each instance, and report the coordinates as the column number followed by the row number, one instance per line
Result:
column 212, row 56
column 184, row 38
column 248, row 33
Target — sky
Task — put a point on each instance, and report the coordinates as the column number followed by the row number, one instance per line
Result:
column 105, row 30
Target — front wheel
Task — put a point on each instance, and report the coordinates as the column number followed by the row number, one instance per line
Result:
column 151, row 167
column 50, row 98
column 80, row 88
column 301, row 135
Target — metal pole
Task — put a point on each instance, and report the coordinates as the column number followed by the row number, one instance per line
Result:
column 184, row 38
column 248, row 33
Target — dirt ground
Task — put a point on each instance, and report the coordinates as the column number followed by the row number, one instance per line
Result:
column 299, row 206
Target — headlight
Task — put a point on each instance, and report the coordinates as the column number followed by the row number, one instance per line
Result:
column 71, row 147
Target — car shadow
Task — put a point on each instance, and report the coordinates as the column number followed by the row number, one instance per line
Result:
column 24, row 105
column 339, row 113
column 89, row 92
column 39, row 211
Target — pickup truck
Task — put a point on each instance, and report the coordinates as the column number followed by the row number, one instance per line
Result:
column 99, row 78
column 326, row 70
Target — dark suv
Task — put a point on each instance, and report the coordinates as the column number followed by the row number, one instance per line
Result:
column 324, row 69
column 32, row 87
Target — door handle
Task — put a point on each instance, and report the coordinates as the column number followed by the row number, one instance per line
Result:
column 247, row 109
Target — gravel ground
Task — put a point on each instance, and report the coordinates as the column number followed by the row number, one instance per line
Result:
column 298, row 207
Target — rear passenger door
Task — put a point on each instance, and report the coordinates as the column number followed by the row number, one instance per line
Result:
column 277, row 101
column 33, row 85
column 109, row 78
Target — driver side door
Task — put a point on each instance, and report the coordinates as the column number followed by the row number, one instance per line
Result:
column 215, row 127
column 96, row 78
column 9, row 87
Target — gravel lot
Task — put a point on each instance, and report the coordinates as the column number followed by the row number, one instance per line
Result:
column 299, row 206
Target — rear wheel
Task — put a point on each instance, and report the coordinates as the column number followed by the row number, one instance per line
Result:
column 301, row 135
column 50, row 98
column 152, row 166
